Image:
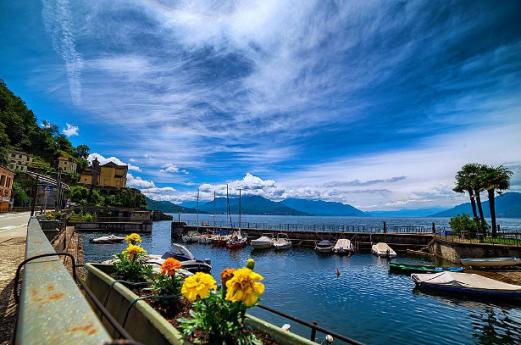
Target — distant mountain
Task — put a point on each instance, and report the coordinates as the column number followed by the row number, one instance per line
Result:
column 417, row 212
column 168, row 207
column 250, row 204
column 508, row 205
column 323, row 208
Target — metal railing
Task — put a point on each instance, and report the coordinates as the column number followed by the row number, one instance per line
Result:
column 502, row 238
column 313, row 326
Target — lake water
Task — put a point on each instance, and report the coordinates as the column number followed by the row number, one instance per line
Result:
column 365, row 302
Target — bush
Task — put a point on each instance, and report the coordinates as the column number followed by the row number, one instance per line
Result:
column 463, row 224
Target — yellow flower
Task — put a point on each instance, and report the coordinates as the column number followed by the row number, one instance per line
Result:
column 244, row 287
column 226, row 275
column 133, row 250
column 133, row 238
column 198, row 286
column 169, row 266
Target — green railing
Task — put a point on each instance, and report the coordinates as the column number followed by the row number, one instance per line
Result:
column 52, row 309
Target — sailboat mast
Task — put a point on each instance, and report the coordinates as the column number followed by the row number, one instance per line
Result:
column 197, row 208
column 240, row 208
column 213, row 208
column 228, row 216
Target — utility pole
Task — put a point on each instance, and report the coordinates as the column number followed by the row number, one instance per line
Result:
column 59, row 196
column 35, row 193
column 197, row 208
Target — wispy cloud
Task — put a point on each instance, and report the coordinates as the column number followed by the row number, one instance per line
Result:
column 104, row 160
column 71, row 130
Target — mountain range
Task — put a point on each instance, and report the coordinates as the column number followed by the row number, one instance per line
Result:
column 508, row 205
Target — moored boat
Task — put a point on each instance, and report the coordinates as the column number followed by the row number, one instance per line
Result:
column 187, row 259
column 282, row 242
column 403, row 268
column 237, row 241
column 107, row 239
column 382, row 249
column 466, row 284
column 491, row 262
column 191, row 237
column 263, row 242
column 324, row 246
column 343, row 247
column 220, row 240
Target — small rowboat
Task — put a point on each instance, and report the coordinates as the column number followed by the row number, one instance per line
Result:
column 263, row 242
column 107, row 239
column 467, row 284
column 324, row 246
column 343, row 247
column 282, row 242
column 491, row 262
column 382, row 249
column 408, row 268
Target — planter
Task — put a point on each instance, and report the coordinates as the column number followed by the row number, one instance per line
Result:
column 146, row 325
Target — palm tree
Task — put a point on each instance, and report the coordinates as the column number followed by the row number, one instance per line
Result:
column 495, row 178
column 465, row 179
column 478, row 187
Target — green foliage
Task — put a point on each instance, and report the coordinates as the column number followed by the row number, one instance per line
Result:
column 130, row 267
column 21, row 199
column 167, row 286
column 81, row 217
column 125, row 197
column 463, row 223
column 221, row 320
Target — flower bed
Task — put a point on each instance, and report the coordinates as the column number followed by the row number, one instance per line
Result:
column 174, row 309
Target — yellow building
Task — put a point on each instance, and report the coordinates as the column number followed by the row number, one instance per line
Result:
column 67, row 164
column 6, row 187
column 18, row 161
column 109, row 175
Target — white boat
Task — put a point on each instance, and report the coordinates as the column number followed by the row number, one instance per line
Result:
column 263, row 242
column 491, row 262
column 282, row 242
column 382, row 249
column 467, row 284
column 324, row 246
column 343, row 246
column 187, row 259
column 205, row 239
column 191, row 237
column 107, row 239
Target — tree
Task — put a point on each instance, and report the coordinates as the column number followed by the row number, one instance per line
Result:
column 495, row 179
column 462, row 223
column 82, row 151
column 465, row 180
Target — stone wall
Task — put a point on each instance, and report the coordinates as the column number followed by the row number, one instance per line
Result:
column 454, row 251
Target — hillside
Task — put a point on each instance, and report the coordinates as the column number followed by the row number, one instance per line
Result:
column 168, row 207
column 415, row 212
column 323, row 208
column 508, row 205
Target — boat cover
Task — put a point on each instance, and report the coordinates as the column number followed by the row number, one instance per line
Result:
column 464, row 280
column 343, row 244
column 324, row 243
column 382, row 247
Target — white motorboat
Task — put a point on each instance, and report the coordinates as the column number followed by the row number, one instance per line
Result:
column 382, row 249
column 191, row 237
column 263, row 242
column 205, row 239
column 187, row 259
column 107, row 239
column 282, row 242
column 343, row 246
column 466, row 284
column 491, row 262
column 324, row 246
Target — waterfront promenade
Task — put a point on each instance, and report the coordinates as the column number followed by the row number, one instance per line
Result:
column 13, row 232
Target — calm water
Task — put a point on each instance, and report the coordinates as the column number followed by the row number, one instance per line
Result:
column 365, row 302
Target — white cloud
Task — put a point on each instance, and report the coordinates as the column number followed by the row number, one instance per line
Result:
column 70, row 130
column 170, row 168
column 138, row 182
column 116, row 160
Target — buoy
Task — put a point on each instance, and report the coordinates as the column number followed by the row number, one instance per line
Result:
column 286, row 327
column 337, row 272
column 329, row 339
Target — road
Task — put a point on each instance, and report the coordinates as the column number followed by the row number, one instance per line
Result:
column 13, row 232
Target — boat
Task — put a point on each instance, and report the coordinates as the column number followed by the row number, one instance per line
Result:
column 191, row 237
column 282, row 242
column 220, row 240
column 187, row 259
column 466, row 284
column 343, row 247
column 382, row 249
column 491, row 262
column 324, row 246
column 403, row 268
column 237, row 241
column 107, row 239
column 263, row 242
column 205, row 239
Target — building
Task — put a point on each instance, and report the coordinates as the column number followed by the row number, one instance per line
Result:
column 19, row 161
column 67, row 164
column 109, row 175
column 6, row 187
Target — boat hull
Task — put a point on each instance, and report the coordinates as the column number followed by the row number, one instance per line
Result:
column 409, row 269
column 491, row 262
column 324, row 250
column 463, row 291
column 261, row 245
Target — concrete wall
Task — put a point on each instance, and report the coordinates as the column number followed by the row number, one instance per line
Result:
column 124, row 227
column 454, row 251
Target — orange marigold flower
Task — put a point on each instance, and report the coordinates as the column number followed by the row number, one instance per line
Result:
column 169, row 266
column 226, row 275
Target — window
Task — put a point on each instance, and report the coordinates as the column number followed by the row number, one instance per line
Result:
column 8, row 184
column 2, row 180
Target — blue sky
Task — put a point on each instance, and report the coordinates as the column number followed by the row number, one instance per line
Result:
column 372, row 103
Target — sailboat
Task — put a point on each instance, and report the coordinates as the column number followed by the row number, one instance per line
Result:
column 237, row 241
